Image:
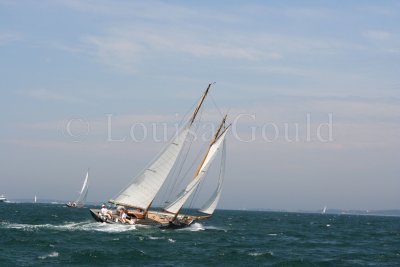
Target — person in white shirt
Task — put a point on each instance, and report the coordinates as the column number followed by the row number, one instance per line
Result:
column 123, row 217
column 105, row 212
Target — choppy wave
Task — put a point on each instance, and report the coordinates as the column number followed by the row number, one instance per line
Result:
column 156, row 237
column 72, row 226
column 257, row 254
column 195, row 227
column 50, row 255
column 231, row 238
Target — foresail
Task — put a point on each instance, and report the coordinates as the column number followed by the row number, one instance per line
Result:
column 210, row 206
column 84, row 191
column 176, row 205
column 143, row 190
column 85, row 183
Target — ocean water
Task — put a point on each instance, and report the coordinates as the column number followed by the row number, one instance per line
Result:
column 46, row 235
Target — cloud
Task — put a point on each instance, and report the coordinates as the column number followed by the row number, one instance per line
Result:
column 116, row 52
column 378, row 35
column 125, row 48
column 9, row 37
column 47, row 95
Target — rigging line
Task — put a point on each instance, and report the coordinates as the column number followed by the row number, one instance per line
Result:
column 216, row 106
column 193, row 164
column 169, row 190
column 187, row 112
column 198, row 189
column 179, row 166
column 197, row 126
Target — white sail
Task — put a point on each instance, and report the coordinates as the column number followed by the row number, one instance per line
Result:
column 85, row 183
column 176, row 205
column 142, row 191
column 212, row 203
column 84, row 191
column 324, row 210
column 35, row 199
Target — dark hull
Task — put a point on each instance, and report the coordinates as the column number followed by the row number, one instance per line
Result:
column 73, row 206
column 173, row 225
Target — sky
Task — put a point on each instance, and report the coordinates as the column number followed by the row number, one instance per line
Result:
column 311, row 88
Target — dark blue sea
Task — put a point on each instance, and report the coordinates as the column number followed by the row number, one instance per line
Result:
column 51, row 234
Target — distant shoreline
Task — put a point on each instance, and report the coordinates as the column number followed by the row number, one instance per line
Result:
column 384, row 212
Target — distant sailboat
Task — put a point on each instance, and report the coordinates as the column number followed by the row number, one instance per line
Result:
column 139, row 195
column 80, row 201
column 324, row 210
column 35, row 199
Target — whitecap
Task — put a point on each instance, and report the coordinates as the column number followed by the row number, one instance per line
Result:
column 256, row 254
column 50, row 255
column 171, row 240
column 155, row 237
column 211, row 227
column 109, row 228
column 194, row 227
column 73, row 226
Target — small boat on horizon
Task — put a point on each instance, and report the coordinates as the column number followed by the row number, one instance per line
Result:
column 80, row 201
column 35, row 199
column 3, row 198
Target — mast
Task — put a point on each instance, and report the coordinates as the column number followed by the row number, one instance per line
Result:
column 199, row 104
column 216, row 136
column 142, row 191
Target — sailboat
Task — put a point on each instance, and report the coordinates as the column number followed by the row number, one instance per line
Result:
column 80, row 201
column 137, row 198
column 324, row 210
column 35, row 199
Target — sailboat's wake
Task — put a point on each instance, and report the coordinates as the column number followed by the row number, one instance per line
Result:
column 91, row 226
column 71, row 226
column 195, row 227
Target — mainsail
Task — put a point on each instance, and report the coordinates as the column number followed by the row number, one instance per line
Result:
column 142, row 191
column 84, row 191
column 178, row 203
column 212, row 203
